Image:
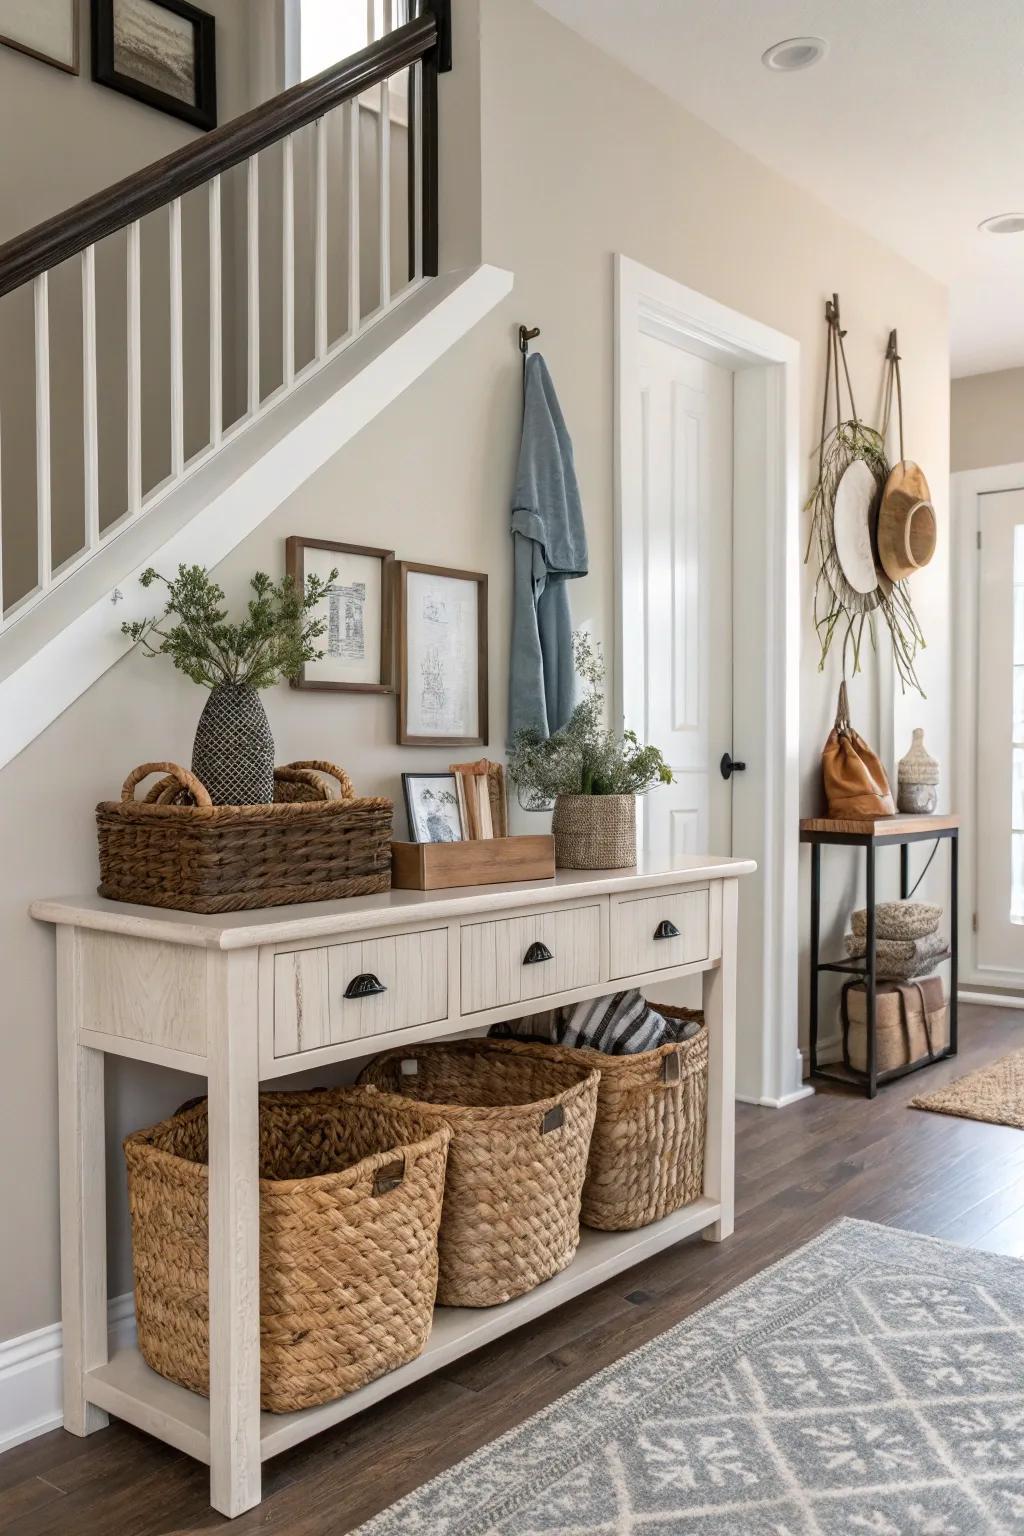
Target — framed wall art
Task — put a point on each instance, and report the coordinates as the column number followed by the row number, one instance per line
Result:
column 44, row 29
column 432, row 801
column 442, row 656
column 162, row 52
column 358, row 644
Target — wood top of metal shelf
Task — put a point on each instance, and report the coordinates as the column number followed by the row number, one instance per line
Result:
column 878, row 829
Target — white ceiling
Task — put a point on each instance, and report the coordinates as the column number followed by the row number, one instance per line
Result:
column 912, row 127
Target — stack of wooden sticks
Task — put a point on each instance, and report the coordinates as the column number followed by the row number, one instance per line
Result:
column 483, row 802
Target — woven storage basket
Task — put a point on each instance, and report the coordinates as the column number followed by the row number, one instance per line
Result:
column 594, row 831
column 647, row 1151
column 350, row 1200
column 198, row 857
column 518, row 1157
column 902, row 1026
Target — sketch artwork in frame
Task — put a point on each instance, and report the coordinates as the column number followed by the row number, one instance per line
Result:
column 432, row 801
column 162, row 52
column 442, row 656
column 357, row 609
column 44, row 29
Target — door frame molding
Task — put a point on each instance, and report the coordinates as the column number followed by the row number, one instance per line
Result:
column 967, row 487
column 766, row 647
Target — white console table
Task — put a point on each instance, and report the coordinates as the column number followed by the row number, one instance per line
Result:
column 253, row 996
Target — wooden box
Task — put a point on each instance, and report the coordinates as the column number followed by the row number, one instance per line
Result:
column 481, row 861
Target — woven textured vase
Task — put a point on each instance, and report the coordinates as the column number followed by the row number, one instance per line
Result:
column 917, row 792
column 233, row 753
column 595, row 831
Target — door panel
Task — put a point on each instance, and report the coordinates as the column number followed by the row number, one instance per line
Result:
column 1000, row 734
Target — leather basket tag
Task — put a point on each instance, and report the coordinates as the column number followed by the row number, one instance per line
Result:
column 553, row 1120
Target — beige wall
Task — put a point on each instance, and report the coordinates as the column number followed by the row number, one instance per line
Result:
column 578, row 160
column 987, row 420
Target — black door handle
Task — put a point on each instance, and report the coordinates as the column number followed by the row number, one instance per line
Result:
column 536, row 953
column 728, row 766
column 365, row 985
column 666, row 930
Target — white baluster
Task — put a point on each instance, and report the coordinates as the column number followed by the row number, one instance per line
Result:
column 90, row 401
column 216, row 318
column 353, row 218
column 44, row 551
column 416, row 168
column 177, row 342
column 371, row 21
column 389, row 18
column 321, row 236
column 288, row 259
column 384, row 206
column 134, row 374
column 253, row 220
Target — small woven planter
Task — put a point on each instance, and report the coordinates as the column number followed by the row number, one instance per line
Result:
column 175, row 849
column 521, row 1130
column 350, row 1200
column 595, row 831
column 647, row 1151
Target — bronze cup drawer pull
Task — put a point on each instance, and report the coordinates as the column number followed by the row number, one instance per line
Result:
column 537, row 953
column 666, row 930
column 365, row 985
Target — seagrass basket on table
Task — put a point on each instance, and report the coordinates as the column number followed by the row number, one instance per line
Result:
column 521, row 1129
column 176, row 849
column 350, row 1201
column 647, row 1150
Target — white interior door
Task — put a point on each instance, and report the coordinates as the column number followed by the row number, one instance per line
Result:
column 999, row 776
column 686, row 434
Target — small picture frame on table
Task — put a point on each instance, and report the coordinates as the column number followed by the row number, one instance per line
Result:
column 442, row 656
column 44, row 29
column 432, row 803
column 358, row 643
column 161, row 52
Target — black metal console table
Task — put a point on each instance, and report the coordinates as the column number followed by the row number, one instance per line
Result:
column 885, row 832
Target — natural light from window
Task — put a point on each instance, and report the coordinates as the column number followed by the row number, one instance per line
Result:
column 1017, row 801
column 330, row 30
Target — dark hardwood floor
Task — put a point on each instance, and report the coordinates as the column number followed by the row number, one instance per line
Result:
column 828, row 1156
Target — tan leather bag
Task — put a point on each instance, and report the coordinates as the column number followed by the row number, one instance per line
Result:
column 856, row 786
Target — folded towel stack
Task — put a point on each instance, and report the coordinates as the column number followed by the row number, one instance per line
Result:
column 620, row 1025
column 907, row 943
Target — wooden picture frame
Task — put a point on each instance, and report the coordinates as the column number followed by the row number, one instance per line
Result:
column 201, row 111
column 71, row 64
column 440, row 652
column 296, row 564
column 413, row 787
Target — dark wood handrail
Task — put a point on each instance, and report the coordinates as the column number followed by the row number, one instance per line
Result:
column 44, row 247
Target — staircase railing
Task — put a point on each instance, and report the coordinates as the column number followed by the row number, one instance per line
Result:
column 423, row 47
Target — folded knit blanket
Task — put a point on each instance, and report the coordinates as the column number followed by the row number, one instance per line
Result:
column 898, row 920
column 619, row 1025
column 899, row 959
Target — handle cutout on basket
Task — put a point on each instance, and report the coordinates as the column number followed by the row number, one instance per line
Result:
column 537, row 953
column 671, row 1071
column 389, row 1177
column 666, row 930
column 553, row 1120
column 409, row 1067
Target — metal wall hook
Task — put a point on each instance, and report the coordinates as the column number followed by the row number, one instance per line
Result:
column 526, row 336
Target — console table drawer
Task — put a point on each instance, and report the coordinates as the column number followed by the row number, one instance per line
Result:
column 655, row 933
column 521, row 958
column 354, row 991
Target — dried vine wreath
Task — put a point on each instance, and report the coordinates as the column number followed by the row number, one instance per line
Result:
column 838, row 607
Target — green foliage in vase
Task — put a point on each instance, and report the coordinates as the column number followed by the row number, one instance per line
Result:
column 584, row 757
column 274, row 640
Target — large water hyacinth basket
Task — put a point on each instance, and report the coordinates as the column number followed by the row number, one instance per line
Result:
column 175, row 849
column 521, row 1131
column 647, row 1151
column 350, row 1201
column 595, row 831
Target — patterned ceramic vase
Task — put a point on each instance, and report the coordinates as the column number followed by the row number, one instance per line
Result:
column 233, row 753
column 918, row 778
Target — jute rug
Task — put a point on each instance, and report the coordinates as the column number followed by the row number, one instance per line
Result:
column 873, row 1382
column 995, row 1093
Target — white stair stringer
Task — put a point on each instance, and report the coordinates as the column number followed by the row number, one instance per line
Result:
column 65, row 644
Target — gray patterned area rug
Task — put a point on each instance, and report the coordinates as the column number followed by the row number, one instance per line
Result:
column 871, row 1384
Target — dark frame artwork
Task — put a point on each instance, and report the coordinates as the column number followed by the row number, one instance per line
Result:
column 202, row 112
column 411, row 810
column 295, row 566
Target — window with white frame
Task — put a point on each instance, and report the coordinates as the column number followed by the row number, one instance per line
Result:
column 325, row 31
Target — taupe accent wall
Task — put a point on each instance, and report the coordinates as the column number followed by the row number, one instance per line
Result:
column 987, row 420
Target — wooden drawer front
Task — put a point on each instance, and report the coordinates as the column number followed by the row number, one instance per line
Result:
column 310, row 1006
column 494, row 968
column 634, row 924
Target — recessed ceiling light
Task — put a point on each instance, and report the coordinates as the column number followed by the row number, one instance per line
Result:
column 794, row 53
column 1003, row 224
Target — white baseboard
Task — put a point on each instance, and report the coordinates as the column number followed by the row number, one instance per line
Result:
column 991, row 999
column 804, row 1092
column 30, row 1375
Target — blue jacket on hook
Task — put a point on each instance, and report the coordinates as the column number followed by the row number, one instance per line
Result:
column 550, row 549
